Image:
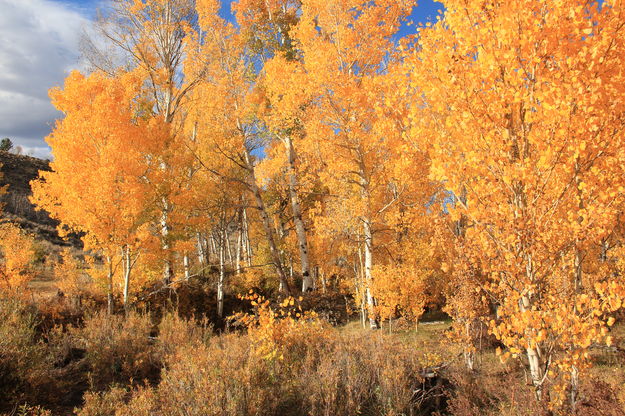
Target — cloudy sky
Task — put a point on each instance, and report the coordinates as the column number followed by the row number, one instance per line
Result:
column 39, row 45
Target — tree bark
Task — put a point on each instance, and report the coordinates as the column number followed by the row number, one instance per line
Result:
column 533, row 354
column 187, row 272
column 214, row 246
column 109, row 286
column 246, row 240
column 168, row 269
column 300, row 230
column 228, row 246
column 267, row 226
column 373, row 321
column 469, row 355
column 237, row 255
column 201, row 252
column 127, row 262
column 222, row 277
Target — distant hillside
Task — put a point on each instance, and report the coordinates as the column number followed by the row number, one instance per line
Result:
column 17, row 172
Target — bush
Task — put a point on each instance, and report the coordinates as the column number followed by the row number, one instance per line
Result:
column 24, row 365
column 282, row 367
column 118, row 349
column 368, row 373
column 103, row 404
column 174, row 331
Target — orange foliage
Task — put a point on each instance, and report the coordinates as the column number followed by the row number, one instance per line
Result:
column 527, row 131
column 18, row 252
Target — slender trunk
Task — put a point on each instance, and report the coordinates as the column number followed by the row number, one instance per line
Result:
column 246, row 240
column 187, row 272
column 237, row 255
column 267, row 225
column 213, row 245
column 578, row 280
column 228, row 247
column 201, row 253
column 127, row 261
column 168, row 269
column 300, row 230
column 574, row 388
column 533, row 354
column 373, row 321
column 469, row 356
column 109, row 285
column 222, row 278
column 360, row 288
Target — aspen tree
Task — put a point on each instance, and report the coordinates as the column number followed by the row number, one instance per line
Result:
column 99, row 146
column 152, row 37
column 531, row 128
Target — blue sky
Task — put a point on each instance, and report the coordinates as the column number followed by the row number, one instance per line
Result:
column 39, row 45
column 425, row 10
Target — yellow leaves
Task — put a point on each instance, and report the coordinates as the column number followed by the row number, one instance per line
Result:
column 289, row 301
column 18, row 252
column 272, row 329
column 611, row 321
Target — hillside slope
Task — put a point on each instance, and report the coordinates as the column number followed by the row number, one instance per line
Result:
column 17, row 172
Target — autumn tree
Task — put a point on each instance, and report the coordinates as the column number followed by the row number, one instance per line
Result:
column 151, row 38
column 520, row 107
column 340, row 78
column 17, row 251
column 225, row 121
column 268, row 26
column 99, row 147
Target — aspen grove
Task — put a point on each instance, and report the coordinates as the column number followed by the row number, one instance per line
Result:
column 310, row 149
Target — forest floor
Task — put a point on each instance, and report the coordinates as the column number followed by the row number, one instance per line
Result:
column 494, row 385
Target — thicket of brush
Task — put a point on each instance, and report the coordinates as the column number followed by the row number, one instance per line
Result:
column 136, row 364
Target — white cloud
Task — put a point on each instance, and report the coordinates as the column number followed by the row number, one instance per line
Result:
column 39, row 45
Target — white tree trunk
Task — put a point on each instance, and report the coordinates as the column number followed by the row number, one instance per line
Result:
column 267, row 225
column 127, row 262
column 469, row 356
column 222, row 278
column 167, row 267
column 246, row 240
column 109, row 285
column 300, row 230
column 358, row 290
column 238, row 250
column 213, row 245
column 228, row 246
column 187, row 272
column 201, row 253
column 574, row 387
column 373, row 322
column 533, row 354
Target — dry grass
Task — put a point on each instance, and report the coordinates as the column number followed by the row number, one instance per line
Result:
column 311, row 369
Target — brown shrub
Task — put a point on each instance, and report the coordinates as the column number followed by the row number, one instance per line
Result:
column 221, row 378
column 103, row 404
column 369, row 373
column 118, row 349
column 174, row 330
column 317, row 371
column 24, row 365
column 496, row 393
column 598, row 398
